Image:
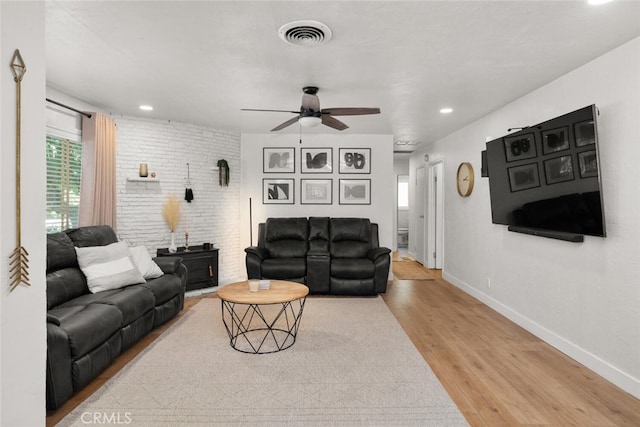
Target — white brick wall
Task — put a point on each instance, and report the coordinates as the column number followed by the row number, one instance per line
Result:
column 167, row 146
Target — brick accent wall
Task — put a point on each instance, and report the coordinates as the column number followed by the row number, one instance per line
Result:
column 167, row 146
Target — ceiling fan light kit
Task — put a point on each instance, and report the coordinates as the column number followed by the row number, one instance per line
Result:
column 310, row 121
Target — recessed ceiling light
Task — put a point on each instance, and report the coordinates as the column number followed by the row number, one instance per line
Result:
column 146, row 108
column 598, row 2
column 446, row 110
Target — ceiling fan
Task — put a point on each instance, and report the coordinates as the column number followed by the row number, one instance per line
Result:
column 310, row 113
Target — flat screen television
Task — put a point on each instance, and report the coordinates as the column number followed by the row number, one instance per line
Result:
column 546, row 177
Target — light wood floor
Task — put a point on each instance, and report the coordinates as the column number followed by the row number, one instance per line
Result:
column 497, row 373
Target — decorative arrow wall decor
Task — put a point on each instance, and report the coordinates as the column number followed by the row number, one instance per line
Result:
column 19, row 258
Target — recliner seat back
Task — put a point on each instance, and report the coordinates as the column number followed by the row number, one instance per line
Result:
column 349, row 237
column 286, row 237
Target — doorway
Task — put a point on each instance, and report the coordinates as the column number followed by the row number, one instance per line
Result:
column 402, row 213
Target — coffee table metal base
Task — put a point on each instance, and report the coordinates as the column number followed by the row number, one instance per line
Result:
column 262, row 328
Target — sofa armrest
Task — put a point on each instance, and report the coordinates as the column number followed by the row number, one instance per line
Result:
column 374, row 253
column 261, row 253
column 318, row 253
column 59, row 362
column 168, row 264
column 53, row 319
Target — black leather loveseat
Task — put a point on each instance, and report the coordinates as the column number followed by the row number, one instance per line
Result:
column 339, row 256
column 86, row 331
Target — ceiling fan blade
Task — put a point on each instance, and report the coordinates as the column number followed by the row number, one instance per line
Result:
column 285, row 124
column 274, row 111
column 350, row 111
column 333, row 122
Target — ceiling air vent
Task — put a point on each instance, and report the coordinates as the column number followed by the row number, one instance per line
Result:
column 305, row 33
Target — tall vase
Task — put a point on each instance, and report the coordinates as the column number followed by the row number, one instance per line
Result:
column 172, row 247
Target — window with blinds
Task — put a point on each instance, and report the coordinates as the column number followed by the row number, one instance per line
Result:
column 63, row 183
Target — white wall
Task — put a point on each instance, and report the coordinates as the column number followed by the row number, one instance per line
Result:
column 22, row 312
column 583, row 298
column 382, row 181
column 167, row 146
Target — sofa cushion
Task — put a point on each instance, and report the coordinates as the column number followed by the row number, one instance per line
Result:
column 284, row 268
column 352, row 268
column 94, row 235
column 133, row 302
column 108, row 267
column 349, row 237
column 90, row 326
column 143, row 262
column 64, row 285
column 60, row 252
column 286, row 237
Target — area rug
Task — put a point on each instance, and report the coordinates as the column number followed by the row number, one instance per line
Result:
column 352, row 364
column 410, row 270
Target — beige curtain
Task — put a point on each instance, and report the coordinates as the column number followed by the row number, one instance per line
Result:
column 98, row 184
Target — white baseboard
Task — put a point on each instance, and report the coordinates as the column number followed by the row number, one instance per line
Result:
column 621, row 379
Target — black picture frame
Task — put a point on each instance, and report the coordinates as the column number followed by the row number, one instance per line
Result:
column 554, row 140
column 355, row 160
column 278, row 191
column 559, row 169
column 584, row 133
column 588, row 164
column 523, row 177
column 355, row 192
column 278, row 160
column 316, row 160
column 520, row 147
column 316, row 191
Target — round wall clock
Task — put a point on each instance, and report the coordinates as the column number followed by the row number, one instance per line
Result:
column 465, row 179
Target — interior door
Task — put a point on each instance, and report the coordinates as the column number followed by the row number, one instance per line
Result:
column 435, row 215
column 420, row 240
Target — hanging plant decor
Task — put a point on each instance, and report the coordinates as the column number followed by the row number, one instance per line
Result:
column 223, row 173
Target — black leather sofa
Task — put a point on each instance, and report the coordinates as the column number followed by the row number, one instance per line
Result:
column 339, row 256
column 87, row 331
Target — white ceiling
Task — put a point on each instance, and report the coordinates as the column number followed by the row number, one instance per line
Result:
column 201, row 62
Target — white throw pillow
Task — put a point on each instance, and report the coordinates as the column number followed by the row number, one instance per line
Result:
column 142, row 260
column 108, row 267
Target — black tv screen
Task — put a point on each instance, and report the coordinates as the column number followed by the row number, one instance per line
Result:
column 547, row 176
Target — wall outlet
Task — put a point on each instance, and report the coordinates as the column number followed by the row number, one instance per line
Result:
column 489, row 282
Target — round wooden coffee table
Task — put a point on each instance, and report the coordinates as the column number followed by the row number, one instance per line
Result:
column 265, row 321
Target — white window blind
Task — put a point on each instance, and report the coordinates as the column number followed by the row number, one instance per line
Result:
column 63, row 183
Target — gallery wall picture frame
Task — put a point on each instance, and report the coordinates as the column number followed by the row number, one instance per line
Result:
column 588, row 164
column 355, row 192
column 584, row 133
column 278, row 160
column 278, row 191
column 524, row 177
column 520, row 147
column 316, row 160
column 558, row 169
column 316, row 191
column 555, row 140
column 355, row 160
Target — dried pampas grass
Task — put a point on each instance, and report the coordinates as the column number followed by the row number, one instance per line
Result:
column 171, row 212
